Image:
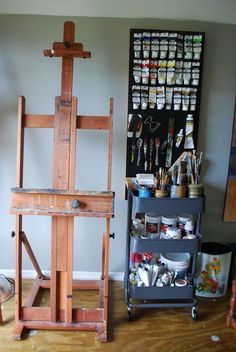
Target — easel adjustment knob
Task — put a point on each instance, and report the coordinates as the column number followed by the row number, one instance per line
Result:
column 75, row 203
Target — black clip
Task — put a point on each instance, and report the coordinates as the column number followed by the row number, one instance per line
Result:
column 112, row 235
column 13, row 234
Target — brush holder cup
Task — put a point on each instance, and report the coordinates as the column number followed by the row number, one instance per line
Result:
column 195, row 190
column 178, row 191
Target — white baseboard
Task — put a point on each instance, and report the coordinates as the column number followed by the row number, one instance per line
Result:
column 81, row 275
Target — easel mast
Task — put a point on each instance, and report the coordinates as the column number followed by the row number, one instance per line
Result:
column 62, row 203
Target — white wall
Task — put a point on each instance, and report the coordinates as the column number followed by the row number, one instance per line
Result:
column 25, row 71
column 200, row 10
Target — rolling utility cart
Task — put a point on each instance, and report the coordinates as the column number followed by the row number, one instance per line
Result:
column 166, row 296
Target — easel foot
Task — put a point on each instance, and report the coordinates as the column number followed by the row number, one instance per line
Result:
column 102, row 332
column 231, row 322
column 18, row 331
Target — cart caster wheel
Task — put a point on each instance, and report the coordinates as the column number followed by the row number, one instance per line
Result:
column 129, row 315
column 194, row 313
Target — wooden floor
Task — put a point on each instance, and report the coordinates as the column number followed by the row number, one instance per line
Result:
column 158, row 330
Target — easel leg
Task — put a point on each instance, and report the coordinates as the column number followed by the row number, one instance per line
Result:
column 1, row 319
column 18, row 330
column 31, row 255
column 102, row 328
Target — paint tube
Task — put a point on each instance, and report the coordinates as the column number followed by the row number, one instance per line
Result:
column 177, row 98
column 136, row 97
column 154, row 45
column 188, row 47
column 163, row 44
column 179, row 138
column 169, row 97
column 162, row 75
column 197, row 46
column 185, row 98
column 137, row 70
column 188, row 143
column 160, row 98
column 172, row 45
column 153, row 72
column 155, row 271
column 146, row 44
column 179, row 72
column 162, row 72
column 180, row 46
column 144, row 97
column 195, row 76
column 152, row 97
column 163, row 48
column 153, row 77
column 170, row 77
column 137, row 45
column 187, row 76
column 193, row 99
column 145, row 275
column 145, row 71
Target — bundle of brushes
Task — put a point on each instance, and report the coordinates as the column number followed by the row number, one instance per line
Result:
column 162, row 179
column 194, row 164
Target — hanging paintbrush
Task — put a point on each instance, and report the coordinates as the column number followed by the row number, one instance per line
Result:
column 170, row 142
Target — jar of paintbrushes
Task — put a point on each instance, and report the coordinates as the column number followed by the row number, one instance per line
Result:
column 195, row 187
column 161, row 183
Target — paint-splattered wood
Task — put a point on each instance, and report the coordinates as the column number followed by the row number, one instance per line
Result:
column 63, row 203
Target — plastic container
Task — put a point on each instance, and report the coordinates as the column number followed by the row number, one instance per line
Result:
column 144, row 191
column 182, row 219
column 177, row 191
column 152, row 224
column 176, row 261
column 167, row 222
column 188, row 227
column 213, row 269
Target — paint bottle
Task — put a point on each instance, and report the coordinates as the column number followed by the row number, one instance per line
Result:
column 152, row 224
column 166, row 222
column 182, row 219
column 188, row 227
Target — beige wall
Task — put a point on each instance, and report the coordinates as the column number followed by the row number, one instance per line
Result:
column 24, row 71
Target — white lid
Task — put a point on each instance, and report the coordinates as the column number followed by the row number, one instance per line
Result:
column 185, row 217
column 169, row 220
column 180, row 282
column 182, row 258
column 152, row 218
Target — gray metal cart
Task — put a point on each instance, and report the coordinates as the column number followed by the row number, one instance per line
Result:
column 166, row 296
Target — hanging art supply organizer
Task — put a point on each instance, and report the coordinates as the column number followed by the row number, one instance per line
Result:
column 165, row 74
column 62, row 203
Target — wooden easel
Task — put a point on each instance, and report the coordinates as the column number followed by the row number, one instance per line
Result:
column 62, row 203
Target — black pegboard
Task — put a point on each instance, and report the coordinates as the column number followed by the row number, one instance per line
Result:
column 155, row 115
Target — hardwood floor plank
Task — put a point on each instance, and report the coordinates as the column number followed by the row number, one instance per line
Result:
column 152, row 330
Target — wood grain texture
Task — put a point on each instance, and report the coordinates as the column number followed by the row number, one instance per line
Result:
column 61, row 204
column 230, row 201
column 155, row 330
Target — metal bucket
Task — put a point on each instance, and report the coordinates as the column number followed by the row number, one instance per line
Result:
column 213, row 269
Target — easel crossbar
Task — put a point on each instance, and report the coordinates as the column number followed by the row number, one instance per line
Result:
column 82, row 122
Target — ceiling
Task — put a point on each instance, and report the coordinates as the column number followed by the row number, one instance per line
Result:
column 220, row 11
